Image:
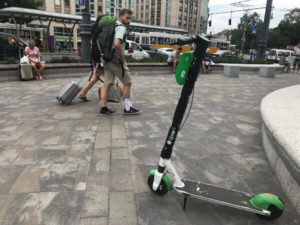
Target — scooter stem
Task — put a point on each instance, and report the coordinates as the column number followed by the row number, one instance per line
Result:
column 201, row 46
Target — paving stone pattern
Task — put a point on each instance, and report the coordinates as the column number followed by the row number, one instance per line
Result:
column 68, row 165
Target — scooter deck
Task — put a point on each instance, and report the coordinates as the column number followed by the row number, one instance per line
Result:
column 218, row 195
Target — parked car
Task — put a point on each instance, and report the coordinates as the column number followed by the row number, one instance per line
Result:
column 166, row 51
column 223, row 53
column 151, row 50
column 134, row 50
column 11, row 46
column 275, row 54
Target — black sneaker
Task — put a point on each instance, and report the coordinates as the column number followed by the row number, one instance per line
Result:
column 106, row 111
column 131, row 111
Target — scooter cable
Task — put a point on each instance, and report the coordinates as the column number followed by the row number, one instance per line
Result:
column 191, row 104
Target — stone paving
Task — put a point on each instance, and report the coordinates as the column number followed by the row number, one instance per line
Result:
column 68, row 165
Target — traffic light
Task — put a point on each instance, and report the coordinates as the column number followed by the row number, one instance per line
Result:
column 229, row 22
column 209, row 23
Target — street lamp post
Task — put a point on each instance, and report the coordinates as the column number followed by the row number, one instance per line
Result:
column 190, row 16
column 264, row 38
column 85, row 32
column 244, row 36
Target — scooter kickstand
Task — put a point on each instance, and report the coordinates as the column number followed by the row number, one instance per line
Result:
column 185, row 196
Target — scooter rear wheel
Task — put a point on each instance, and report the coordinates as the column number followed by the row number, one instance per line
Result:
column 162, row 188
column 275, row 213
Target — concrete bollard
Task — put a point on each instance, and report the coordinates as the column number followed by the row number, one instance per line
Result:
column 267, row 72
column 231, row 71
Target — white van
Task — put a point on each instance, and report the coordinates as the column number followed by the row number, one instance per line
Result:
column 134, row 50
column 275, row 54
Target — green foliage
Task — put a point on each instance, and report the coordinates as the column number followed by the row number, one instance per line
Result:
column 245, row 24
column 293, row 16
column 227, row 60
column 239, row 61
column 287, row 32
column 64, row 59
column 158, row 58
column 30, row 4
column 10, row 60
column 236, row 37
column 258, row 61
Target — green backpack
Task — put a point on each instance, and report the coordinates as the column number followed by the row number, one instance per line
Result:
column 106, row 32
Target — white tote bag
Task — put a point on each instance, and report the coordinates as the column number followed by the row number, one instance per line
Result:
column 24, row 60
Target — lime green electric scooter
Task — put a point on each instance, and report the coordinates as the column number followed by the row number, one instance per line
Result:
column 267, row 206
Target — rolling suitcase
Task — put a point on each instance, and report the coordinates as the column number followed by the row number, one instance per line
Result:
column 71, row 89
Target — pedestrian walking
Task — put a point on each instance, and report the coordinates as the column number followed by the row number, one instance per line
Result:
column 117, row 67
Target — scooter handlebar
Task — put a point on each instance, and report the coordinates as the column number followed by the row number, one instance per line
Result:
column 192, row 39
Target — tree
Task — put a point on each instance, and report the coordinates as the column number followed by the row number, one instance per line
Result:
column 293, row 16
column 245, row 25
column 287, row 32
column 31, row 4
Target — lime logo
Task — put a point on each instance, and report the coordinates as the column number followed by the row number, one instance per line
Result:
column 169, row 142
column 182, row 74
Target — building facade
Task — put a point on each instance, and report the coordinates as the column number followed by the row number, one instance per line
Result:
column 204, row 14
column 186, row 14
column 190, row 15
column 61, row 31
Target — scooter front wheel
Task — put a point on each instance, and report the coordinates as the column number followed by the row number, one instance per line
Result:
column 162, row 188
column 275, row 213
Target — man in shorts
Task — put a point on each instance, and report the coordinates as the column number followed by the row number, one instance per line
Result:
column 118, row 67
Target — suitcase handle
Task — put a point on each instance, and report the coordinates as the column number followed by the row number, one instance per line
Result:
column 84, row 80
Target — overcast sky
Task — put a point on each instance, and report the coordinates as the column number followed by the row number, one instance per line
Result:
column 220, row 21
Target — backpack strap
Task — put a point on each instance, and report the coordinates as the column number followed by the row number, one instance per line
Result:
column 100, row 49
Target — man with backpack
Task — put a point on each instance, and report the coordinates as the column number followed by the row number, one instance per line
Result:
column 117, row 67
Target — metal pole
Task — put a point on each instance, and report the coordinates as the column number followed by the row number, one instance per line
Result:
column 244, row 36
column 252, row 47
column 190, row 16
column 85, row 32
column 18, row 31
column 264, row 38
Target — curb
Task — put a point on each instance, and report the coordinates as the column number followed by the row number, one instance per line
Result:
column 280, row 134
column 62, row 70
